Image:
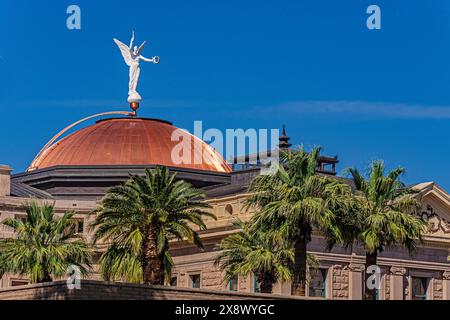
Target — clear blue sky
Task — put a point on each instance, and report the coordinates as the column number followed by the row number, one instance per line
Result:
column 312, row 65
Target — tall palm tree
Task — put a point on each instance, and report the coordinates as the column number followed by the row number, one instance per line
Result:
column 139, row 218
column 44, row 246
column 294, row 201
column 385, row 208
column 257, row 252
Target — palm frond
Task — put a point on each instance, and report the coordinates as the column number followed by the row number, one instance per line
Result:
column 139, row 217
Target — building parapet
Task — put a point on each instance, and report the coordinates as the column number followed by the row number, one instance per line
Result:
column 99, row 290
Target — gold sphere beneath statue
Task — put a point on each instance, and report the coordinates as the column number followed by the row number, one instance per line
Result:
column 134, row 106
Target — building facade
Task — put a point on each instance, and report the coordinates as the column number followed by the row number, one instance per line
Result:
column 75, row 172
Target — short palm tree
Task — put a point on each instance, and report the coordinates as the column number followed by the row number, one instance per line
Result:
column 385, row 208
column 139, row 218
column 248, row 252
column 44, row 246
column 294, row 201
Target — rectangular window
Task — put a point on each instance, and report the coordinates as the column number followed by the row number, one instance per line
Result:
column 15, row 283
column 21, row 217
column 79, row 226
column 195, row 280
column 174, row 281
column 419, row 288
column 365, row 288
column 234, row 283
column 256, row 286
column 317, row 283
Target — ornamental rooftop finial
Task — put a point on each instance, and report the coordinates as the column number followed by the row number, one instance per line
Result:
column 284, row 140
column 132, row 56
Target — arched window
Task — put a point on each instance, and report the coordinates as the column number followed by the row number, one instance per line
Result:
column 229, row 209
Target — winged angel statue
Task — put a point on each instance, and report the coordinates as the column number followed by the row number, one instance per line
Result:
column 132, row 56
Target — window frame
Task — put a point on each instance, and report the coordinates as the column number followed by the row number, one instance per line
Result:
column 176, row 281
column 21, row 216
column 24, row 281
column 425, row 283
column 79, row 221
column 325, row 275
column 230, row 284
column 191, row 282
column 256, row 286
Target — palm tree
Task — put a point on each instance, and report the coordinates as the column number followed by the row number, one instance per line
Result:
column 44, row 246
column 294, row 201
column 257, row 252
column 140, row 217
column 385, row 220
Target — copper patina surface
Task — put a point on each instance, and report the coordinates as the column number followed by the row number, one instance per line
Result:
column 131, row 141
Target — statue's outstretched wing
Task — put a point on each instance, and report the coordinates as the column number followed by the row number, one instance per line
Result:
column 125, row 50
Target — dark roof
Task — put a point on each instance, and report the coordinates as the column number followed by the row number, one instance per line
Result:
column 224, row 190
column 19, row 189
column 241, row 179
column 92, row 182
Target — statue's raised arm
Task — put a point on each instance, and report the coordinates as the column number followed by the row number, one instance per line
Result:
column 132, row 41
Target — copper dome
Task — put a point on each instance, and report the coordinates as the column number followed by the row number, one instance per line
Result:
column 127, row 141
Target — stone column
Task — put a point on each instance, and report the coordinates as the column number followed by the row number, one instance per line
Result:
column 245, row 284
column 286, row 288
column 182, row 280
column 446, row 285
column 396, row 283
column 356, row 279
column 340, row 281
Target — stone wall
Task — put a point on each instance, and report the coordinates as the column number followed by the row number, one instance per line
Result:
column 387, row 286
column 212, row 278
column 406, row 286
column 340, row 281
column 438, row 293
column 98, row 290
column 343, row 281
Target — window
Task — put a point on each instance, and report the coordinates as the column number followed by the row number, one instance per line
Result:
column 195, row 280
column 317, row 283
column 79, row 228
column 365, row 289
column 419, row 288
column 15, row 283
column 256, row 286
column 21, row 217
column 173, row 281
column 234, row 283
column 229, row 209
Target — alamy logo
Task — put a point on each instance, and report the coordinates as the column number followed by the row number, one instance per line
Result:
column 374, row 280
column 73, row 22
column 74, row 279
column 374, row 20
column 233, row 143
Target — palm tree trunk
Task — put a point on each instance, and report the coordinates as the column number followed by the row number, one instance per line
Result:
column 299, row 276
column 371, row 260
column 152, row 266
column 266, row 282
column 46, row 277
column 266, row 287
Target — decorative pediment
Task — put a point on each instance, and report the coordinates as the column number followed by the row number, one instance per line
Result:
column 437, row 222
column 435, row 208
